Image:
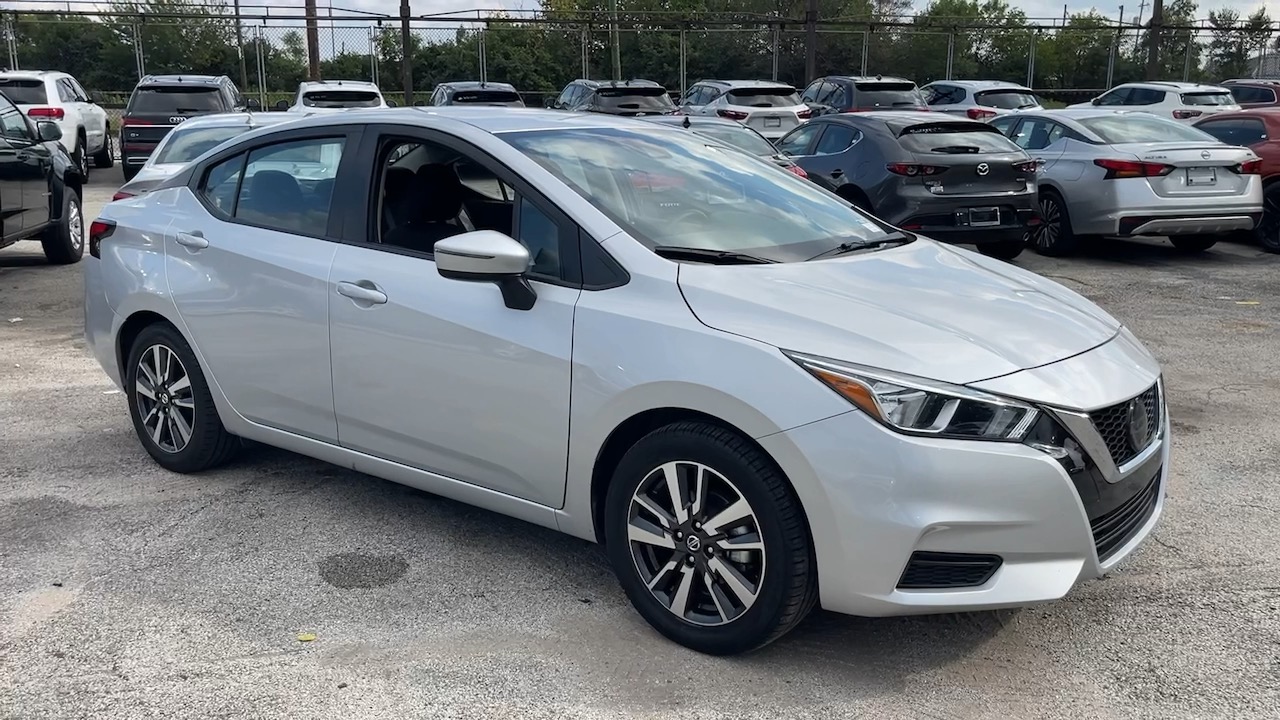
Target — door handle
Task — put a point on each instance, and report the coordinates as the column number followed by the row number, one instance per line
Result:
column 837, row 173
column 194, row 240
column 359, row 292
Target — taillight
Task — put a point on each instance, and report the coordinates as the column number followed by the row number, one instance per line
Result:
column 1027, row 166
column 1132, row 168
column 914, row 170
column 1249, row 167
column 55, row 113
column 804, row 114
column 99, row 230
column 120, row 195
column 732, row 114
column 126, row 122
column 1186, row 114
column 980, row 113
column 797, row 171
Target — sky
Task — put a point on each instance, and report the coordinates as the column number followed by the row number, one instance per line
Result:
column 1033, row 8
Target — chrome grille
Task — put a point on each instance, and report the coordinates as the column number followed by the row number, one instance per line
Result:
column 1114, row 425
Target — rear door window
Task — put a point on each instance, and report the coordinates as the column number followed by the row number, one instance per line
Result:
column 1145, row 96
column 175, row 100
column 1038, row 133
column 1119, row 96
column 943, row 94
column 1248, row 94
column 1007, row 99
column 836, row 139
column 24, row 92
column 887, row 95
column 764, row 97
column 1208, row 98
column 955, row 139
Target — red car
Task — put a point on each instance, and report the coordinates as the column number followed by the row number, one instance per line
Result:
column 1254, row 92
column 1259, row 130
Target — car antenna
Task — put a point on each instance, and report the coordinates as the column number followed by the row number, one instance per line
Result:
column 686, row 122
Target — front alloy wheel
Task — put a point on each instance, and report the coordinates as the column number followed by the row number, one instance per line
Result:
column 696, row 543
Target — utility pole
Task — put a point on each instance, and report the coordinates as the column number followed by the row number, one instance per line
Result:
column 313, row 42
column 810, row 40
column 406, row 54
column 244, row 71
column 613, row 39
column 1153, row 40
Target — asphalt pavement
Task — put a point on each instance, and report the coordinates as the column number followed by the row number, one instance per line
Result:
column 130, row 592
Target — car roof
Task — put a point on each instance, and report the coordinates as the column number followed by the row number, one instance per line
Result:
column 693, row 120
column 248, row 119
column 1266, row 111
column 209, row 80
column 747, row 83
column 33, row 74
column 330, row 84
column 898, row 120
column 635, row 82
column 489, row 119
column 982, row 84
column 478, row 85
column 1171, row 85
column 1080, row 113
column 869, row 78
column 1252, row 81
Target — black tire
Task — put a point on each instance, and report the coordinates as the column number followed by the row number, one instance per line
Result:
column 63, row 241
column 1194, row 243
column 80, row 158
column 786, row 585
column 1053, row 236
column 103, row 158
column 129, row 171
column 208, row 443
column 1268, row 231
column 1003, row 249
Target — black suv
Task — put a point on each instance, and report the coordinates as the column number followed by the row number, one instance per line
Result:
column 615, row 97
column 39, row 187
column 160, row 102
column 476, row 93
column 852, row 93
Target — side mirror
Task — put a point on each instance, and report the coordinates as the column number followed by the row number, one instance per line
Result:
column 49, row 131
column 419, row 103
column 392, row 103
column 282, row 105
column 1094, row 101
column 95, row 97
column 549, row 103
column 488, row 256
column 253, row 105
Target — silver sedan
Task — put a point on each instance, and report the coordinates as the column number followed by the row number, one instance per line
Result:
column 757, row 396
column 1119, row 173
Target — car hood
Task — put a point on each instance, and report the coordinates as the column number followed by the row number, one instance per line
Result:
column 924, row 309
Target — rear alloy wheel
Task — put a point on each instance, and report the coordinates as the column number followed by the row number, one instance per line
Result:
column 103, row 158
column 170, row 403
column 63, row 241
column 81, row 157
column 1268, row 230
column 1193, row 243
column 708, row 540
column 1053, row 236
column 1003, row 249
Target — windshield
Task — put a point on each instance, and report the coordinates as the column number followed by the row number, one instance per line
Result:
column 177, row 100
column 738, row 136
column 1007, row 99
column 764, row 97
column 955, row 138
column 1208, row 98
column 624, row 98
column 183, row 146
column 1141, row 127
column 884, row 95
column 341, row 99
column 671, row 188
column 504, row 97
column 24, row 92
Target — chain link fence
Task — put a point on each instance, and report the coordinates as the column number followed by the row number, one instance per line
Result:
column 268, row 56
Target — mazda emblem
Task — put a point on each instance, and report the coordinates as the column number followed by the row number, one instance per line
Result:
column 1139, row 425
column 983, row 168
column 1205, row 154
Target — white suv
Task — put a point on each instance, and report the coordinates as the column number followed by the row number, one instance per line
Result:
column 979, row 99
column 1184, row 102
column 772, row 109
column 330, row 95
column 46, row 95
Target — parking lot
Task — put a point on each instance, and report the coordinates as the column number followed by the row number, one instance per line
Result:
column 128, row 591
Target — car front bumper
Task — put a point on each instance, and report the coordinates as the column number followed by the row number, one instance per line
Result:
column 874, row 515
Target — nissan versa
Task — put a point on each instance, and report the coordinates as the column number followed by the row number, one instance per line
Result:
column 759, row 398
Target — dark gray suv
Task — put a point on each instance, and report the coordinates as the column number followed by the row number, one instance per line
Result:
column 470, row 92
column 955, row 180
column 615, row 97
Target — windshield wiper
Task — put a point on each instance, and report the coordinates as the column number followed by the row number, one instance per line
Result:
column 893, row 238
column 955, row 149
column 708, row 255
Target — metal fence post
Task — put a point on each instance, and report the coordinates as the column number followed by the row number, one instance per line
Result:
column 951, row 49
column 866, row 41
column 586, row 51
column 1111, row 59
column 484, row 61
column 684, row 58
column 373, row 51
column 777, row 40
column 406, row 54
column 1186, row 64
column 11, row 41
column 258, row 42
column 138, row 54
column 1031, row 59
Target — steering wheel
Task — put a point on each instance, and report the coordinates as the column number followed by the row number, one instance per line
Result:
column 692, row 213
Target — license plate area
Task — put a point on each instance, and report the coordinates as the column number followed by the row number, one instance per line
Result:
column 772, row 122
column 981, row 216
column 1199, row 177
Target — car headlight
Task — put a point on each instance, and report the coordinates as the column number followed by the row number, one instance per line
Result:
column 917, row 406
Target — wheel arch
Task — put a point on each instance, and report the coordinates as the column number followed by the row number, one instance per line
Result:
column 129, row 331
column 856, row 195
